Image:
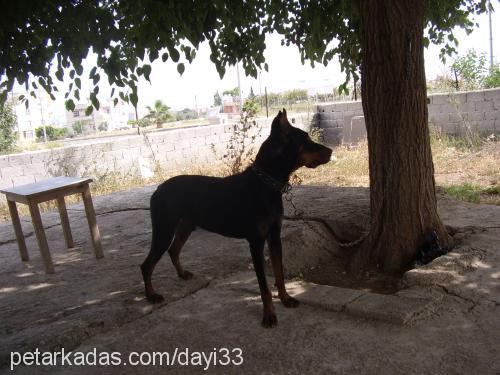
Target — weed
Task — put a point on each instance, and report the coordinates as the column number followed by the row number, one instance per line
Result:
column 465, row 192
column 241, row 145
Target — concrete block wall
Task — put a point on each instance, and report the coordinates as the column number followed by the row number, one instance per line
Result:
column 452, row 113
column 459, row 113
column 173, row 149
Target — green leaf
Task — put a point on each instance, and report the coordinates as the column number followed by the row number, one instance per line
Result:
column 94, row 100
column 89, row 110
column 70, row 105
column 164, row 57
column 146, row 71
column 115, row 101
column 60, row 75
column 133, row 99
column 78, row 83
column 174, row 54
column 180, row 68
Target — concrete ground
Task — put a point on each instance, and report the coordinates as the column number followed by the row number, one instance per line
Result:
column 444, row 319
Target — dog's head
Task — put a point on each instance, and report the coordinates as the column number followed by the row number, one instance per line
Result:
column 294, row 146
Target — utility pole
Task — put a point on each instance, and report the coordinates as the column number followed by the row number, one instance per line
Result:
column 41, row 116
column 267, row 108
column 137, row 120
column 239, row 85
column 260, row 89
column 491, row 36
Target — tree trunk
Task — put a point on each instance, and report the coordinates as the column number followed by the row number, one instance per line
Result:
column 393, row 89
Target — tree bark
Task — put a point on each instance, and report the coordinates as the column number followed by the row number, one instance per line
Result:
column 393, row 89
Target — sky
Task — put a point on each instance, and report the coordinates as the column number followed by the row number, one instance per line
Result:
column 197, row 86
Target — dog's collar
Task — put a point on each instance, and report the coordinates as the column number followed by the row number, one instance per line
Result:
column 271, row 181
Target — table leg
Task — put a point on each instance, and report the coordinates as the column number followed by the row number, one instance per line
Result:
column 14, row 215
column 40, row 236
column 94, row 229
column 63, row 213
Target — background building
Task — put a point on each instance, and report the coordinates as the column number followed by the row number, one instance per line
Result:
column 40, row 112
column 108, row 117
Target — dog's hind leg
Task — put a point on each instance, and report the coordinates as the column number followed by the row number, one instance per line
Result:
column 182, row 233
column 163, row 232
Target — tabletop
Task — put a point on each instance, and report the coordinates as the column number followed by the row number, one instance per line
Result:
column 45, row 186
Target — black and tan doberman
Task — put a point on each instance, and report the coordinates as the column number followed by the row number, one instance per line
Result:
column 245, row 205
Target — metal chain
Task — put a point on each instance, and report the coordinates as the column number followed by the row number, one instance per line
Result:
column 299, row 214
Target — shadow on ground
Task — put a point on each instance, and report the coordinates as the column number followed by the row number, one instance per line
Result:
column 443, row 320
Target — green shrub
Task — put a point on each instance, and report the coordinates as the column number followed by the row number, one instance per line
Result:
column 7, row 123
column 51, row 132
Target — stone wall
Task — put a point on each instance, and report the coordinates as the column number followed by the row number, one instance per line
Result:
column 453, row 113
column 173, row 149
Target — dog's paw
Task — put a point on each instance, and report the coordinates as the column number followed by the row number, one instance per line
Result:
column 269, row 320
column 155, row 298
column 290, row 302
column 186, row 275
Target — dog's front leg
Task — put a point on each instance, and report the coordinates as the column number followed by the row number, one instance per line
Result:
column 274, row 243
column 257, row 250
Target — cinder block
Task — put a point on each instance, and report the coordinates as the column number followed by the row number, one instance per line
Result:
column 4, row 161
column 119, row 144
column 450, row 128
column 484, row 106
column 439, row 99
column 466, row 107
column 354, row 106
column 475, row 96
column 11, row 172
column 492, row 94
column 355, row 131
column 19, row 159
column 446, row 108
column 486, row 125
column 332, row 136
column 457, row 117
column 5, row 183
column 40, row 177
column 492, row 115
column 475, row 116
column 439, row 118
column 135, row 142
column 331, row 124
column 23, row 180
column 32, row 169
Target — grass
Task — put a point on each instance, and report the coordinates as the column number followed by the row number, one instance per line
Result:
column 473, row 193
column 466, row 168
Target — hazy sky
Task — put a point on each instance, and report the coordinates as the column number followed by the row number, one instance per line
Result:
column 201, row 80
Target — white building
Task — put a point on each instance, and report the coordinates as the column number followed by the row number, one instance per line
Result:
column 108, row 117
column 39, row 112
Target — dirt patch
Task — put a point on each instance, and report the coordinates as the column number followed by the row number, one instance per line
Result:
column 336, row 274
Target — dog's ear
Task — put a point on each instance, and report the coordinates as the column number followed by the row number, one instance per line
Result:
column 283, row 119
column 280, row 123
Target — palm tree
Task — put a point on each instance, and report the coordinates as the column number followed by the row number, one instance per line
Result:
column 159, row 113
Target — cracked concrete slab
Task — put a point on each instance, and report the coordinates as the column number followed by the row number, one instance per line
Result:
column 99, row 303
column 395, row 309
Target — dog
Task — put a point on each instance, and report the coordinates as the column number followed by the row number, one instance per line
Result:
column 246, row 205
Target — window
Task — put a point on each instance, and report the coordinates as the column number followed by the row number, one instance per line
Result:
column 76, row 114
